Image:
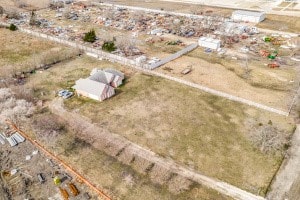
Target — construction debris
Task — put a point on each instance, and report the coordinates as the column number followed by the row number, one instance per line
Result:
column 186, row 70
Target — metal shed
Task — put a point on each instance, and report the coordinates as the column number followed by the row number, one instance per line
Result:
column 248, row 16
column 209, row 43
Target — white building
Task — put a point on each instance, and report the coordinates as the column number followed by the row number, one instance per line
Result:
column 211, row 43
column 100, row 85
column 93, row 89
column 248, row 16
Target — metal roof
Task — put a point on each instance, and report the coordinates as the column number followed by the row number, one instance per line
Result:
column 114, row 72
column 90, row 86
column 100, row 76
column 211, row 40
column 247, row 13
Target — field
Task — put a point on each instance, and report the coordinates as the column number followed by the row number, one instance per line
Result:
column 281, row 23
column 23, row 53
column 19, row 48
column 204, row 132
column 232, row 76
column 195, row 129
column 174, row 6
column 120, row 181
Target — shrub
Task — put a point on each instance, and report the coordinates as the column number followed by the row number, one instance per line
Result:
column 12, row 27
column 109, row 46
column 90, row 36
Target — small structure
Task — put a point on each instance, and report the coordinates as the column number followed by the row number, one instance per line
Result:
column 100, row 85
column 209, row 43
column 248, row 16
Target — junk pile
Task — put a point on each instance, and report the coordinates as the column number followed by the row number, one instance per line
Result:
column 12, row 138
column 154, row 23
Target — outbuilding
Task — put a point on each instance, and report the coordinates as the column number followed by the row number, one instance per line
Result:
column 248, row 16
column 209, row 43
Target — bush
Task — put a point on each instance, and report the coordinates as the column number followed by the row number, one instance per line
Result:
column 109, row 46
column 90, row 36
column 12, row 27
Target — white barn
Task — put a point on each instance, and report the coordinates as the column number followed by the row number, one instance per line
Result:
column 209, row 43
column 248, row 16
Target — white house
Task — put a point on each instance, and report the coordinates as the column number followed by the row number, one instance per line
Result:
column 209, row 43
column 93, row 89
column 248, row 16
column 100, row 85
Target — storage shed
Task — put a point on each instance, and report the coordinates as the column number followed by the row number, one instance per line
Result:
column 248, row 16
column 209, row 43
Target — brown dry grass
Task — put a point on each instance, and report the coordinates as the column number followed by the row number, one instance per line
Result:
column 227, row 75
column 173, row 6
column 281, row 23
column 119, row 180
column 22, row 52
column 194, row 128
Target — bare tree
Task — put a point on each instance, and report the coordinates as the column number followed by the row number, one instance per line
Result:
column 268, row 138
column 126, row 45
column 16, row 110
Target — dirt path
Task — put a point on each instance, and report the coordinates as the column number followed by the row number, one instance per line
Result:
column 289, row 171
column 114, row 145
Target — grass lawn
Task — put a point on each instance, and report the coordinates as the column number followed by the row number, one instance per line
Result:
column 196, row 129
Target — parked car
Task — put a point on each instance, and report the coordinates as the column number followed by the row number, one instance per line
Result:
column 62, row 92
column 67, row 95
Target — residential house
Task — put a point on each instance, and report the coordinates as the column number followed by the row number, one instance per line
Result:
column 100, row 85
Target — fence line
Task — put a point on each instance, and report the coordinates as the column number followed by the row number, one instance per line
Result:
column 174, row 56
column 145, row 68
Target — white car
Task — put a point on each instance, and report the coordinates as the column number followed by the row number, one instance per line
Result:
column 62, row 92
column 67, row 95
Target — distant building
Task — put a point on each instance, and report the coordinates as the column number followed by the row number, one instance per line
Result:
column 63, row 1
column 100, row 85
column 210, row 43
column 248, row 16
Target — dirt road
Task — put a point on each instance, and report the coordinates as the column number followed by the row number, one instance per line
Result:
column 289, row 174
column 114, row 144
